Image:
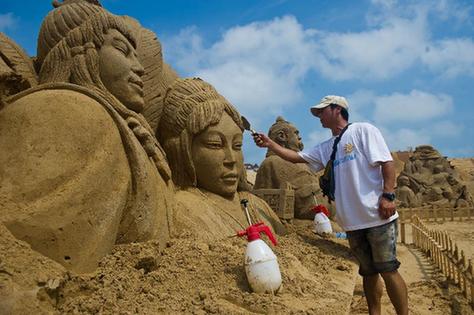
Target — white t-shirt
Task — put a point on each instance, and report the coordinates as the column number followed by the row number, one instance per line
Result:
column 358, row 174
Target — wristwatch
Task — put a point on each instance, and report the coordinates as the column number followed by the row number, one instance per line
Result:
column 388, row 196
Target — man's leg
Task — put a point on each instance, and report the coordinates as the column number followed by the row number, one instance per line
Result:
column 397, row 291
column 373, row 291
column 383, row 240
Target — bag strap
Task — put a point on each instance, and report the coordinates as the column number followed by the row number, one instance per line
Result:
column 336, row 142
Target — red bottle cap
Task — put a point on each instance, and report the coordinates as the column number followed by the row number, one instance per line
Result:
column 320, row 209
column 253, row 232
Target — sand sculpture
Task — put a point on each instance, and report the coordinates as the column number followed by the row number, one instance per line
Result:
column 80, row 167
column 274, row 172
column 428, row 178
column 17, row 72
column 201, row 133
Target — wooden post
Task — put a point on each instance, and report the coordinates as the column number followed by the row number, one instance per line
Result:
column 402, row 232
column 471, row 274
column 449, row 254
column 443, row 252
column 463, row 269
column 456, row 260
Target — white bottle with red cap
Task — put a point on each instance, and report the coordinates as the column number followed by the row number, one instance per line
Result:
column 261, row 265
column 322, row 225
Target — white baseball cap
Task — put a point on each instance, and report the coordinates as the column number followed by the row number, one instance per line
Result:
column 328, row 100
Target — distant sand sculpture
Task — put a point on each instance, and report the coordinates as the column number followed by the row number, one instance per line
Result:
column 274, row 172
column 201, row 133
column 428, row 178
column 80, row 167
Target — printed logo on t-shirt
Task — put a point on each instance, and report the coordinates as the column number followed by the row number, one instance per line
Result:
column 348, row 147
column 345, row 159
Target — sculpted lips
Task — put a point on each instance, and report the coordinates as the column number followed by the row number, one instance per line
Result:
column 138, row 83
column 230, row 178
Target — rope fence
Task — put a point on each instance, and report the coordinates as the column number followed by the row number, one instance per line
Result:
column 445, row 255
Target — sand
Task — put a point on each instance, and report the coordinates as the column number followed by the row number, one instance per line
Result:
column 319, row 277
column 186, row 277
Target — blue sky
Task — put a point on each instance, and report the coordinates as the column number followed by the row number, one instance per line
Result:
column 405, row 66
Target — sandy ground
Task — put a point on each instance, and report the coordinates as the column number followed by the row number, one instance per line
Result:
column 319, row 277
column 186, row 277
column 462, row 234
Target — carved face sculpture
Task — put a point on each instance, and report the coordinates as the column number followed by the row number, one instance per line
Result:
column 120, row 70
column 217, row 157
column 403, row 181
column 294, row 139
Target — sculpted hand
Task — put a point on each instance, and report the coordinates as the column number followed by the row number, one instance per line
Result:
column 261, row 140
column 386, row 208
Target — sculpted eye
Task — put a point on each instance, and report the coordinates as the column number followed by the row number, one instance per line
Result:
column 214, row 144
column 121, row 46
column 237, row 146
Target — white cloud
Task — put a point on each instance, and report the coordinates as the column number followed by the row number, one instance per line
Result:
column 258, row 67
column 446, row 9
column 413, row 107
column 404, row 138
column 450, row 57
column 407, row 120
column 186, row 50
column 445, row 129
column 374, row 54
column 385, row 3
column 282, row 52
column 7, row 20
column 316, row 137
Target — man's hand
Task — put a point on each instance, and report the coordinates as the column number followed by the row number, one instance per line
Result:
column 386, row 208
column 261, row 140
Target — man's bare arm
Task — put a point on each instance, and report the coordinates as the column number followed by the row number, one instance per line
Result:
column 388, row 174
column 265, row 142
column 387, row 207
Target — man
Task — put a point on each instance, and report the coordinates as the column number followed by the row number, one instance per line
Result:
column 364, row 193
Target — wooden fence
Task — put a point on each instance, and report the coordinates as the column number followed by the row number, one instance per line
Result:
column 432, row 214
column 445, row 254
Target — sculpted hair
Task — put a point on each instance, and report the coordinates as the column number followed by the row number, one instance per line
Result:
column 190, row 106
column 75, row 57
column 66, row 16
column 280, row 125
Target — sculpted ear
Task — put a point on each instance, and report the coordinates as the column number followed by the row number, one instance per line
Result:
column 281, row 137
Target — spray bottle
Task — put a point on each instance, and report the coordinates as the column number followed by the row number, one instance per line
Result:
column 322, row 225
column 261, row 265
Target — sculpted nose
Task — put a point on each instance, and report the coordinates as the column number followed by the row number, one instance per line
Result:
column 230, row 157
column 137, row 67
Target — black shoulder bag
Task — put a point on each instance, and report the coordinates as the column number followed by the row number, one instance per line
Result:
column 327, row 182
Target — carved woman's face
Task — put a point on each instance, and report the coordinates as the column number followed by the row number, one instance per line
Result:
column 120, row 70
column 217, row 157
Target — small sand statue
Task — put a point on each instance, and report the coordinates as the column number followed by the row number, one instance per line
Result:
column 201, row 133
column 405, row 195
column 80, row 167
column 431, row 179
column 274, row 172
